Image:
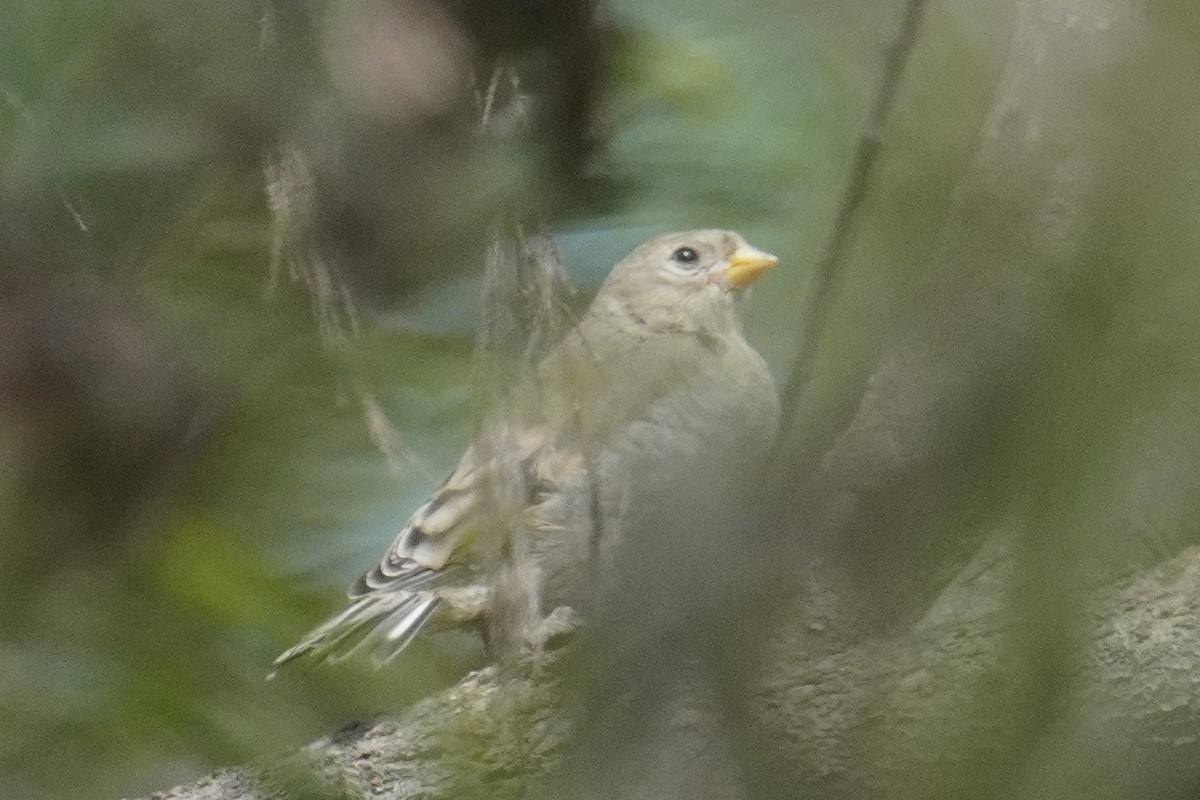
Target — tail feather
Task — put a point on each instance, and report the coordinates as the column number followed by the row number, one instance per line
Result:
column 365, row 637
column 405, row 630
column 328, row 633
column 388, row 620
column 378, row 637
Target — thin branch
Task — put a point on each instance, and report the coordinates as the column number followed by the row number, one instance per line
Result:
column 489, row 101
column 870, row 142
column 401, row 459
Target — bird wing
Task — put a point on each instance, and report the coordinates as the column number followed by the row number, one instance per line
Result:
column 429, row 561
column 393, row 601
column 438, row 531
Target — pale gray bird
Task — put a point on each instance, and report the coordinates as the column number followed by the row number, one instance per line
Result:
column 654, row 387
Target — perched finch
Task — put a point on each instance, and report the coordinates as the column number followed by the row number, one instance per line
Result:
column 653, row 388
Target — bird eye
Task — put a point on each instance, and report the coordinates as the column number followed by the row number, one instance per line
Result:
column 685, row 255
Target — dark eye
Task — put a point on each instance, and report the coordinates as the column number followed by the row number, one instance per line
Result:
column 686, row 255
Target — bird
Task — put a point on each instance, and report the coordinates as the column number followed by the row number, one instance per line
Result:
column 655, row 384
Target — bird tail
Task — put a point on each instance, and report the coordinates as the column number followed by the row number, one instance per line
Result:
column 381, row 623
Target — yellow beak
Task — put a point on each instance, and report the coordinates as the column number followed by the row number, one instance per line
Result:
column 746, row 265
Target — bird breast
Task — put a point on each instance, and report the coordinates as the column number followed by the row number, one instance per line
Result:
column 690, row 444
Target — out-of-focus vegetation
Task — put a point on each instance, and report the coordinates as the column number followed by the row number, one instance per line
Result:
column 240, row 248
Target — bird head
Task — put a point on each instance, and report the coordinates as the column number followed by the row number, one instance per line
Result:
column 684, row 282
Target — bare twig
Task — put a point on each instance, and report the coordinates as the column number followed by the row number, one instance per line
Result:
column 388, row 441
column 870, row 141
column 489, row 100
column 292, row 201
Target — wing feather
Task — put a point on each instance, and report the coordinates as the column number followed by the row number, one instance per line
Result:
column 427, row 564
column 394, row 600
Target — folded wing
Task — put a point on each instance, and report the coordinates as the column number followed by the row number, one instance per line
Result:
column 394, row 600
